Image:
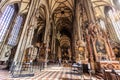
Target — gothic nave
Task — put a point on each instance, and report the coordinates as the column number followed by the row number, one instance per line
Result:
column 59, row 40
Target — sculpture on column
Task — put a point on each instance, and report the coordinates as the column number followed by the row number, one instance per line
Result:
column 81, row 49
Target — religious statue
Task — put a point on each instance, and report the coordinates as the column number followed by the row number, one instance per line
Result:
column 58, row 35
column 81, row 49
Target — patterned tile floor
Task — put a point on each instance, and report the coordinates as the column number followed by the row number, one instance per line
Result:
column 52, row 73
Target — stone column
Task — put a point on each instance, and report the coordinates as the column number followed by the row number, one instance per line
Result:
column 91, row 17
column 47, row 32
column 21, row 45
column 89, row 46
column 59, row 52
column 113, row 57
column 53, row 45
column 69, row 52
column 94, row 49
column 32, row 34
column 32, row 25
column 89, row 9
column 46, row 51
column 78, row 19
column 76, row 25
column 29, row 36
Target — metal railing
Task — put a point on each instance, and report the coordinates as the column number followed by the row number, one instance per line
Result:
column 23, row 69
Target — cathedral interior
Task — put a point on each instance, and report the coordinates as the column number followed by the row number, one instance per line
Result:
column 60, row 39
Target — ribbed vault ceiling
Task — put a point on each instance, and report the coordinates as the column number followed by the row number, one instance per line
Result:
column 58, row 7
column 61, row 11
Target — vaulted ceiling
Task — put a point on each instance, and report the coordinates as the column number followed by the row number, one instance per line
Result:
column 61, row 10
column 62, row 13
column 58, row 7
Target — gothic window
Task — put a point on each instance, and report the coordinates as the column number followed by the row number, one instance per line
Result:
column 15, row 31
column 116, row 22
column 5, row 20
column 102, row 24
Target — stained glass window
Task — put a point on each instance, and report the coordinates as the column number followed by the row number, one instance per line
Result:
column 5, row 20
column 102, row 24
column 116, row 23
column 15, row 31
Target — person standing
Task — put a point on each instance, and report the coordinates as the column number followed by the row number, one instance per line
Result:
column 59, row 61
column 31, row 64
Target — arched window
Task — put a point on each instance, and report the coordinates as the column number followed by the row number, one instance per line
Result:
column 116, row 23
column 15, row 31
column 5, row 20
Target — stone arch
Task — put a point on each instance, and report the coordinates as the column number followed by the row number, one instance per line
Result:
column 9, row 3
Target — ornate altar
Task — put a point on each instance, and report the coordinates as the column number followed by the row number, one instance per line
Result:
column 108, row 65
column 104, row 55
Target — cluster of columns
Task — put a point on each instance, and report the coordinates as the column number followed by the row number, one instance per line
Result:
column 87, row 6
column 27, row 32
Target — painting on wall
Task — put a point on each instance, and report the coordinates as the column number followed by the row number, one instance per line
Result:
column 101, row 50
column 100, row 46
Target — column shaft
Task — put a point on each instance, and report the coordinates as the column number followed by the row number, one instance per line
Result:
column 22, row 38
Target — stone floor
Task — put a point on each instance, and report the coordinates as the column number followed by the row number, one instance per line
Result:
column 51, row 73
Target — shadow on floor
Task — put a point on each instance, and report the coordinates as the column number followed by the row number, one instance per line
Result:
column 74, row 73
